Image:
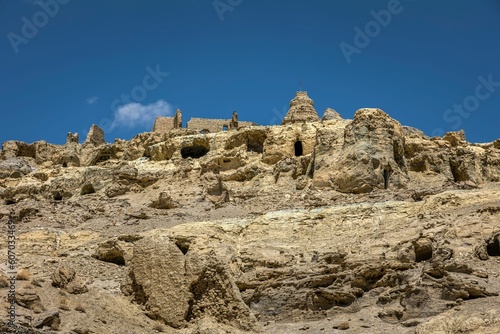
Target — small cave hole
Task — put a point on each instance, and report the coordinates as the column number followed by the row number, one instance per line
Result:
column 118, row 261
column 183, row 245
column 423, row 252
column 458, row 171
column 386, row 175
column 204, row 131
column 195, row 151
column 65, row 164
column 255, row 147
column 298, row 148
column 224, row 128
column 112, row 255
column 87, row 189
column 493, row 247
column 58, row 196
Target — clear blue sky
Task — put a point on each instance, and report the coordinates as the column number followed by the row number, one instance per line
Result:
column 416, row 62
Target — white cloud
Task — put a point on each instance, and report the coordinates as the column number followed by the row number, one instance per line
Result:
column 92, row 100
column 134, row 115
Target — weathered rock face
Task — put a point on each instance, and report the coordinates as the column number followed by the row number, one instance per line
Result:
column 330, row 114
column 358, row 224
column 301, row 110
column 15, row 168
column 372, row 154
column 390, row 260
column 372, row 151
column 159, row 281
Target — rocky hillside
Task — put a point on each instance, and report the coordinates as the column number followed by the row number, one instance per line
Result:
column 362, row 226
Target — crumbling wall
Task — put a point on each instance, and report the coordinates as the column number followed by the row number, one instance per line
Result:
column 95, row 136
column 243, row 124
column 166, row 124
column 214, row 125
column 163, row 124
column 204, row 124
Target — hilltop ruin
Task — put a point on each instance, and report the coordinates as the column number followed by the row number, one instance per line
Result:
column 164, row 124
column 313, row 225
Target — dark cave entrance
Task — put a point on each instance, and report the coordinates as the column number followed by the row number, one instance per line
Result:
column 298, row 148
column 195, row 151
column 386, row 174
column 493, row 247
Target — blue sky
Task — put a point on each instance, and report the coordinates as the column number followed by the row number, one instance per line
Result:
column 67, row 64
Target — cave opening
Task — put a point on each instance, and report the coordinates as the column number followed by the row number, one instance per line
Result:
column 87, row 189
column 423, row 252
column 386, row 174
column 493, row 247
column 458, row 171
column 298, row 148
column 255, row 145
column 195, row 151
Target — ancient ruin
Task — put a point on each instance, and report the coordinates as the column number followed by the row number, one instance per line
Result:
column 203, row 125
column 360, row 225
column 95, row 136
column 301, row 110
column 164, row 124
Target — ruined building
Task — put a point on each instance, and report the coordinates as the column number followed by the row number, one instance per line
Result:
column 165, row 124
column 204, row 125
column 301, row 110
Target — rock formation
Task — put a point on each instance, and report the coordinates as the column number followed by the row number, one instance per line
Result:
column 363, row 225
column 330, row 114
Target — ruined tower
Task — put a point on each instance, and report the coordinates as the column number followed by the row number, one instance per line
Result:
column 301, row 110
column 178, row 119
column 234, row 121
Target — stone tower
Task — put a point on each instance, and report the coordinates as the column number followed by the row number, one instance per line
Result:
column 234, row 121
column 301, row 110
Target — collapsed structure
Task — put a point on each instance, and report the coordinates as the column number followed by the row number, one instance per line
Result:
column 165, row 124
